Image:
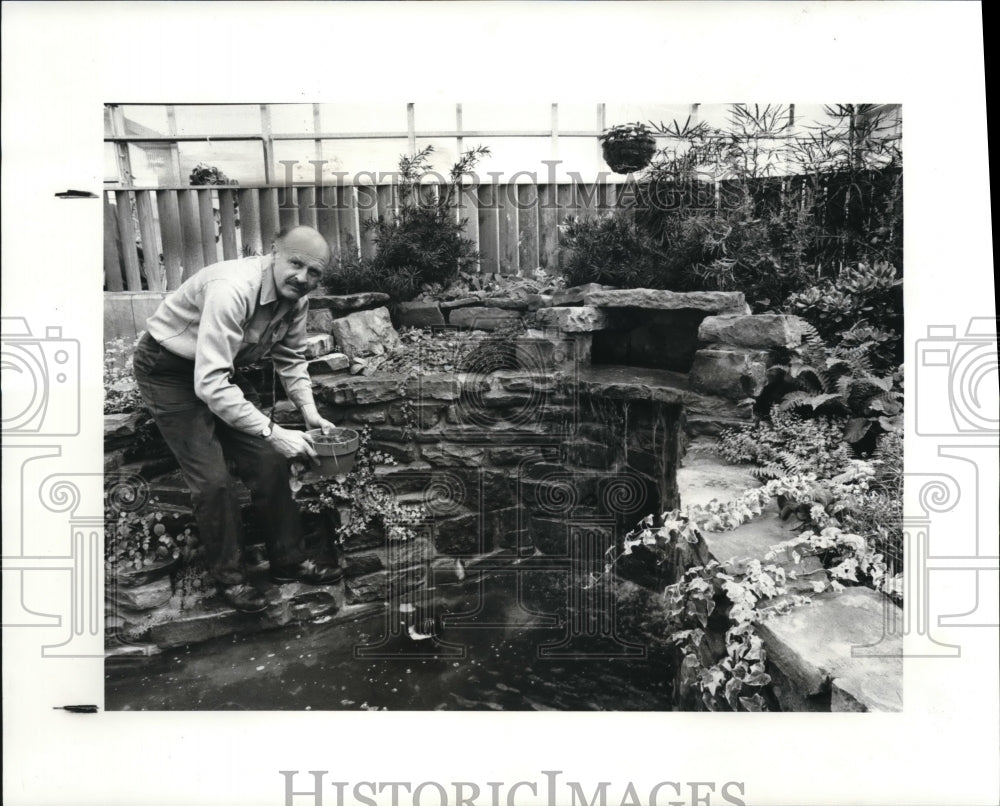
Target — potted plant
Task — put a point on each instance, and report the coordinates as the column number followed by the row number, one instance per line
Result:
column 335, row 450
column 628, row 147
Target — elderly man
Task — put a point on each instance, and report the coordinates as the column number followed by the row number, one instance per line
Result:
column 187, row 367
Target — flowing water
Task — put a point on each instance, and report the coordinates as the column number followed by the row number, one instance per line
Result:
column 491, row 653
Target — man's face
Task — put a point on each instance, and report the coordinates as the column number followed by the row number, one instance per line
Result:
column 299, row 262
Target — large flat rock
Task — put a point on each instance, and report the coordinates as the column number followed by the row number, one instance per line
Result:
column 767, row 330
column 579, row 319
column 652, row 299
column 348, row 303
column 813, row 646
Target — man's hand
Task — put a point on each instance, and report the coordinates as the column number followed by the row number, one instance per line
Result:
column 291, row 444
column 313, row 420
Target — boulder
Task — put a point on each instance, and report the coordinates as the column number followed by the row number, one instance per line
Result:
column 118, row 426
column 348, row 303
column 319, row 321
column 360, row 564
column 583, row 319
column 652, row 299
column 576, row 294
column 324, row 365
column 318, row 344
column 419, row 314
column 735, row 373
column 365, row 333
column 144, row 597
column 461, row 302
column 482, row 318
column 766, row 330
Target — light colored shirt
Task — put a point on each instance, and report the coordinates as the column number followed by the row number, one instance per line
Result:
column 229, row 315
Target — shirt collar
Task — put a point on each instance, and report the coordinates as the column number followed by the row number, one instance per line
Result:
column 268, row 290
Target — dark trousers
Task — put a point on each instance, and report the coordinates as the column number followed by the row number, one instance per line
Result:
column 203, row 445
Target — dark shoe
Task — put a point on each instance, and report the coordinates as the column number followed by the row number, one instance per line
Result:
column 310, row 572
column 244, row 598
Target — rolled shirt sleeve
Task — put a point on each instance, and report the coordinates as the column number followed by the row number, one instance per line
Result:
column 220, row 335
column 288, row 357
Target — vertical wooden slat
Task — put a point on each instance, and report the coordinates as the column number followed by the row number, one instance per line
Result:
column 386, row 197
column 307, row 207
column 367, row 211
column 112, row 271
column 488, row 229
column 155, row 280
column 507, row 228
column 288, row 211
column 527, row 227
column 194, row 257
column 326, row 219
column 468, row 211
column 250, row 235
column 608, row 196
column 586, row 198
column 170, row 231
column 206, row 214
column 227, row 225
column 269, row 221
column 548, row 233
column 126, row 234
column 347, row 221
column 268, row 142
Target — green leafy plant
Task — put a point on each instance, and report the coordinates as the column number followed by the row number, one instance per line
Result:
column 840, row 381
column 121, row 395
column 423, row 243
column 786, row 444
column 135, row 540
column 612, row 250
column 360, row 500
column 774, row 209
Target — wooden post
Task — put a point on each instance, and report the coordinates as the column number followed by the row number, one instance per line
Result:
column 126, row 233
column 206, row 213
column 269, row 222
column 155, row 279
column 250, row 234
column 170, row 230
column 306, row 197
column 265, row 127
column 367, row 200
column 548, row 233
column 194, row 256
column 468, row 211
column 527, row 227
column 347, row 221
column 489, row 229
column 227, row 225
column 326, row 219
column 507, row 232
column 112, row 271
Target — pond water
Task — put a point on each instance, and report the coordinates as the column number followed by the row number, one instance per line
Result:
column 501, row 645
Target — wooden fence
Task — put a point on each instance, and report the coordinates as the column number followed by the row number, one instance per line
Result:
column 156, row 239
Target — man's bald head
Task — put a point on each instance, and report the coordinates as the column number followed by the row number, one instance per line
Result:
column 300, row 256
column 305, row 238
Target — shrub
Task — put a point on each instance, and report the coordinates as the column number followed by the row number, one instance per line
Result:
column 612, row 250
column 788, row 444
column 121, row 395
column 423, row 243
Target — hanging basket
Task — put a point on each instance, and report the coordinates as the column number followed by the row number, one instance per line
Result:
column 628, row 147
column 626, row 156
